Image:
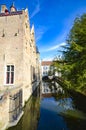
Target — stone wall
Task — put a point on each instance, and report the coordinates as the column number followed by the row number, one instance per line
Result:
column 11, row 47
column 4, row 112
column 18, row 48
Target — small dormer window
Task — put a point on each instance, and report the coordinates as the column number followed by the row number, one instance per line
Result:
column 12, row 8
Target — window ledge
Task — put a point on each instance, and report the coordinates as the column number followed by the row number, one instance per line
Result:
column 8, row 85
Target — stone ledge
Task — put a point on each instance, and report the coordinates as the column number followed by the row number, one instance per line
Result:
column 16, row 121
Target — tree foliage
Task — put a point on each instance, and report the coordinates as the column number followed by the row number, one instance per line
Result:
column 73, row 62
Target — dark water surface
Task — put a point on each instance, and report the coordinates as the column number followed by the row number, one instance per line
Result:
column 60, row 115
column 49, row 118
column 51, row 113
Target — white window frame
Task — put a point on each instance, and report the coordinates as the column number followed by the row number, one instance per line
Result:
column 5, row 79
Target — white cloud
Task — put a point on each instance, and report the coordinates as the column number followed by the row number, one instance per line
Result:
column 54, row 47
column 40, row 31
column 36, row 10
column 49, row 58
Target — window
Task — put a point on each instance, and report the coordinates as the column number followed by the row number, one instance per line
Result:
column 43, row 72
column 44, row 67
column 46, row 72
column 9, row 74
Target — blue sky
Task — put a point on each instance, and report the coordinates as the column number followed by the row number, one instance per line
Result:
column 52, row 20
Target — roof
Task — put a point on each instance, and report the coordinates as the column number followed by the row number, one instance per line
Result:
column 10, row 13
column 47, row 63
column 12, row 6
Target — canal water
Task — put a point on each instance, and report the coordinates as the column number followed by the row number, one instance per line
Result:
column 51, row 111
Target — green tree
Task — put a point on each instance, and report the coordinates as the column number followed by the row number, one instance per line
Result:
column 73, row 62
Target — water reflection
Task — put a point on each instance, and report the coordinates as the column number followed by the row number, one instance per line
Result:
column 65, row 104
column 58, row 111
column 52, row 87
column 49, row 118
column 31, row 114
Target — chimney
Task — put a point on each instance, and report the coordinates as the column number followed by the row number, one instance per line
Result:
column 3, row 8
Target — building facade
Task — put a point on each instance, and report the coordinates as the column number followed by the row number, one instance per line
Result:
column 45, row 67
column 19, row 63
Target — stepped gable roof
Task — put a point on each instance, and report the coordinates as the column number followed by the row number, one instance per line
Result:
column 13, row 11
column 46, row 63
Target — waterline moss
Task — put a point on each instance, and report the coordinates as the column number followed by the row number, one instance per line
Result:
column 74, row 114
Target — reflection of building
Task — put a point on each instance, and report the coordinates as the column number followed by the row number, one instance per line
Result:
column 49, row 88
column 19, row 63
column 45, row 66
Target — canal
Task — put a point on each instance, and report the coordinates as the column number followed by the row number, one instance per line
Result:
column 54, row 109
